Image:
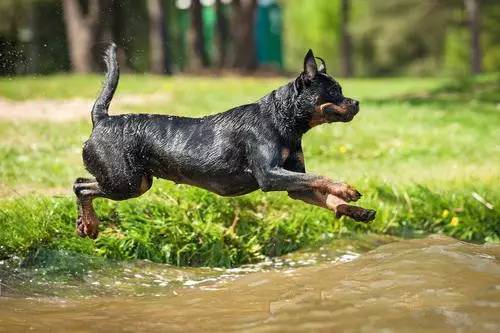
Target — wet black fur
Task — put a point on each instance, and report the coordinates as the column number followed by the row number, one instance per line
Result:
column 230, row 153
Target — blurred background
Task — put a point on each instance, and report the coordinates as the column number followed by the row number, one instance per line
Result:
column 355, row 37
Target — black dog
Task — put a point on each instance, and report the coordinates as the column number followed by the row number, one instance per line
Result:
column 250, row 147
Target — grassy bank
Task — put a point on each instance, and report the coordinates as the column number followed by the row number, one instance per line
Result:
column 424, row 152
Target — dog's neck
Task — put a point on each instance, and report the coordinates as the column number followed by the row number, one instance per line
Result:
column 282, row 107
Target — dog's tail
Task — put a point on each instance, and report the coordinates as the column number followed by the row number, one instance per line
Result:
column 101, row 105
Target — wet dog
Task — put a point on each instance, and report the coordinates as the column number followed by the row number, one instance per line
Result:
column 250, row 147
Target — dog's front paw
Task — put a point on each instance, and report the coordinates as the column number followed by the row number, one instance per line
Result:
column 346, row 192
column 356, row 213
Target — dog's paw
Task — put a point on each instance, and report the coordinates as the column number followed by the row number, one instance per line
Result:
column 353, row 194
column 346, row 192
column 356, row 213
column 80, row 228
column 84, row 230
column 93, row 233
column 367, row 216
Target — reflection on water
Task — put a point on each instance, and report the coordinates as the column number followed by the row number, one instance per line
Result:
column 435, row 284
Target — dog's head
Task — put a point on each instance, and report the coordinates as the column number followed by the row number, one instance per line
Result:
column 319, row 97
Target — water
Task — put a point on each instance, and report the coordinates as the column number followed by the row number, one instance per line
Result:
column 436, row 284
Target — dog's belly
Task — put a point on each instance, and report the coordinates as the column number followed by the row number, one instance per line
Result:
column 222, row 184
column 223, row 178
column 228, row 185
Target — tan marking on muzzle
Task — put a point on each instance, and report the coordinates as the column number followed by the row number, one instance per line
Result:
column 319, row 116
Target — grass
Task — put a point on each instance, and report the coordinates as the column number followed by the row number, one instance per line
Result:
column 421, row 151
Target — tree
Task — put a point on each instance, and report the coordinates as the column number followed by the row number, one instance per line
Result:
column 160, row 63
column 402, row 36
column 472, row 8
column 196, row 44
column 82, row 32
column 221, row 35
column 345, row 40
column 242, row 28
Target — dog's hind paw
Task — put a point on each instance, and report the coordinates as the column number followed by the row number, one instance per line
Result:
column 79, row 227
column 84, row 230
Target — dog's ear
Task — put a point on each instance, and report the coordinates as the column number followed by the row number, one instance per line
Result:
column 310, row 67
column 322, row 65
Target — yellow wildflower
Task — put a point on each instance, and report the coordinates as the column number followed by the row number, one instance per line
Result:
column 454, row 221
column 445, row 214
column 342, row 149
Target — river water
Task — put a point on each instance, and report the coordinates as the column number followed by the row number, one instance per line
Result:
column 379, row 284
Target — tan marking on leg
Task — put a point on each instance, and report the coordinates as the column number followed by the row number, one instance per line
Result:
column 300, row 158
column 342, row 190
column 285, row 152
column 146, row 183
column 322, row 184
column 317, row 198
column 335, row 204
column 89, row 225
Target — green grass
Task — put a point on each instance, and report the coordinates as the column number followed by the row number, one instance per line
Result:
column 418, row 151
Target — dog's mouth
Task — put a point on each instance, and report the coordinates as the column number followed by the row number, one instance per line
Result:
column 343, row 112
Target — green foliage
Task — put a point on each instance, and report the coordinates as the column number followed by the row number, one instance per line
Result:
column 311, row 24
column 393, row 36
column 182, row 225
column 390, row 37
column 490, row 39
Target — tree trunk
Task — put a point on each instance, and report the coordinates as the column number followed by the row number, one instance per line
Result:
column 33, row 48
column 82, row 31
column 222, row 34
column 474, row 18
column 345, row 39
column 196, row 47
column 158, row 38
column 242, row 28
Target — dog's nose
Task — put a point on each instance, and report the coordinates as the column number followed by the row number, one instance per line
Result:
column 355, row 102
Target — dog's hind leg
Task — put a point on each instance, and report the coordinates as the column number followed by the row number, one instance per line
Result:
column 87, row 222
column 87, row 189
column 334, row 203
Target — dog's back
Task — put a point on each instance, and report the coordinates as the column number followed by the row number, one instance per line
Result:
column 208, row 152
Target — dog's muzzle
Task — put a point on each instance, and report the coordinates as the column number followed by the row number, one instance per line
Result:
column 344, row 111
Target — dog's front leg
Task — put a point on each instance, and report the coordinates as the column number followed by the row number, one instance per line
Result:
column 312, row 189
column 334, row 203
column 267, row 163
column 279, row 179
column 317, row 191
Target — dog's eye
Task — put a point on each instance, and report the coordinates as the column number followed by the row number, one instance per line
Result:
column 334, row 91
